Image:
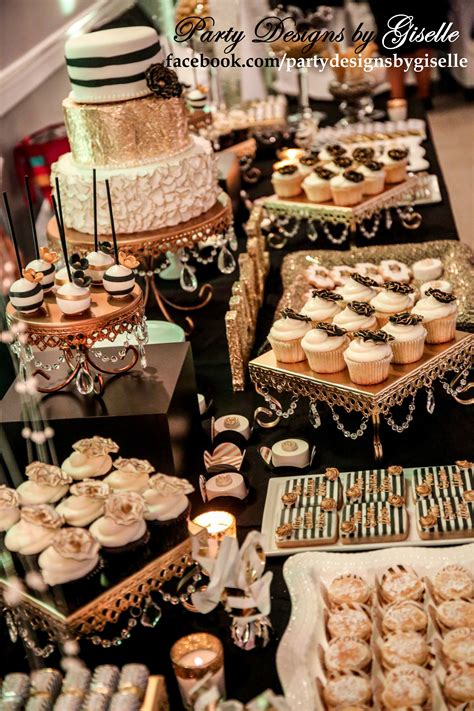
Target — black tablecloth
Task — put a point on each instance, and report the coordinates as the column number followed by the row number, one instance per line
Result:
column 439, row 438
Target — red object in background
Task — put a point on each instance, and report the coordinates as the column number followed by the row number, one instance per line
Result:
column 35, row 154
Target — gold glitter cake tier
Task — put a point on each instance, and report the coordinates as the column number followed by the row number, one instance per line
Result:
column 126, row 133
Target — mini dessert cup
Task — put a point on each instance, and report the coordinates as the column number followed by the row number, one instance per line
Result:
column 370, row 373
column 286, row 180
column 441, row 330
column 324, row 347
column 347, row 189
column 374, row 175
column 317, row 186
column 409, row 337
column 286, row 334
column 439, row 311
column 368, row 357
column 395, row 166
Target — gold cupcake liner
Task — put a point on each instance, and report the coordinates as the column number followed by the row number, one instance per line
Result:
column 346, row 197
column 407, row 351
column 289, row 188
column 327, row 361
column 374, row 186
column 396, row 172
column 317, row 193
column 369, row 373
column 441, row 330
column 287, row 351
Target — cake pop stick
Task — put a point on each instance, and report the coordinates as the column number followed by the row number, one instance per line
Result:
column 94, row 205
column 62, row 238
column 12, row 232
column 112, row 225
column 119, row 279
column 60, row 207
column 32, row 216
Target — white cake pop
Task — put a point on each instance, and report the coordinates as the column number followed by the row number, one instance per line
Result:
column 26, row 294
column 119, row 279
column 61, row 277
column 99, row 262
column 73, row 299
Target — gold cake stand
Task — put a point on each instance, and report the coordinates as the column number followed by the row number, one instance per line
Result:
column 74, row 336
column 147, row 246
column 371, row 401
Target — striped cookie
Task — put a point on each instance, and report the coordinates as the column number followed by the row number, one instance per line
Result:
column 444, row 518
column 372, row 485
column 373, row 522
column 443, row 482
column 306, row 526
column 315, row 490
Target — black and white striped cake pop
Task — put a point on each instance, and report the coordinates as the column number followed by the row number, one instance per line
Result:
column 119, row 279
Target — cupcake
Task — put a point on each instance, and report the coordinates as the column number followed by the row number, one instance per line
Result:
column 130, row 475
column 350, row 620
column 404, row 648
column 286, row 180
column 347, row 691
column 357, row 315
column 122, row 524
column 368, row 357
column 9, row 507
column 405, row 687
column 394, row 298
column 458, row 645
column 439, row 311
column 347, row 189
column 331, row 151
column 345, row 654
column 322, row 306
column 453, row 582
column 358, row 288
column 86, row 503
column 374, row 175
column 395, row 165
column 427, row 269
column 46, row 484
column 319, row 277
column 73, row 554
column 399, row 583
column 324, row 346
column 363, row 154
column 168, row 507
column 348, row 588
column 340, row 164
column 307, row 163
column 286, row 334
column 394, row 270
column 371, row 270
column 440, row 284
column 408, row 337
column 317, row 186
column 35, row 531
column 91, row 458
column 459, row 685
column 405, row 616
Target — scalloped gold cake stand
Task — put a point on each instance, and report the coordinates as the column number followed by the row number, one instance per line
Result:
column 74, row 336
column 372, row 401
column 146, row 246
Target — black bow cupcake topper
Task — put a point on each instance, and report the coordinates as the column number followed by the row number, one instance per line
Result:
column 397, row 153
column 361, row 308
column 326, row 294
column 331, row 329
column 362, row 155
column 335, row 149
column 364, row 280
column 77, row 262
column 163, row 82
column 324, row 173
column 373, row 165
column 353, row 175
column 80, row 279
column 290, row 313
column 287, row 169
column 376, row 336
column 309, row 159
column 406, row 319
column 343, row 161
column 398, row 287
column 441, row 296
column 106, row 247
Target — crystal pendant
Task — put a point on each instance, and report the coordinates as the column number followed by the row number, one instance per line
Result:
column 312, row 233
column 388, row 219
column 225, row 261
column 430, row 401
column 187, row 279
column 151, row 614
column 84, row 382
column 12, row 628
column 142, row 355
column 314, row 416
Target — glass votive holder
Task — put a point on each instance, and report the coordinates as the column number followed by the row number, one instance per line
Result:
column 397, row 109
column 193, row 657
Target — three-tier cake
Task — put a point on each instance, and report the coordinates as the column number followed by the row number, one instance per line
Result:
column 126, row 118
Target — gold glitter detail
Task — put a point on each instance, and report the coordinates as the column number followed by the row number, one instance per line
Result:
column 283, row 531
column 328, row 504
column 463, row 511
column 297, row 523
column 297, row 489
column 423, row 489
column 289, row 445
column 321, row 521
column 348, row 526
column 289, row 499
column 231, row 422
column 322, row 488
column 308, row 519
column 434, row 511
column 457, row 479
column 354, row 492
column 384, row 516
column 331, row 473
column 428, row 521
column 396, row 500
column 370, row 518
column 443, row 479
column 126, row 133
column 448, row 510
column 310, row 488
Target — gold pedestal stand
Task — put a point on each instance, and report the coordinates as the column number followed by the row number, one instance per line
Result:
column 74, row 337
column 147, row 246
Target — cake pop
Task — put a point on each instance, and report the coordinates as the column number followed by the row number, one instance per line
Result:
column 100, row 259
column 119, row 279
column 44, row 259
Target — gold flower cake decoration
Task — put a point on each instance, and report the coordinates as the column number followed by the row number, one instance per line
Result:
column 47, row 474
column 96, row 446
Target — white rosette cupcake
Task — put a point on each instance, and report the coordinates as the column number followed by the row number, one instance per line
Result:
column 72, row 556
column 307, row 163
column 46, row 484
column 130, row 475
column 357, row 315
column 9, row 507
column 86, row 502
column 358, row 288
column 168, row 508
column 35, row 531
column 408, row 337
column 394, row 298
column 324, row 347
column 286, row 180
column 347, row 189
column 368, row 357
column 395, row 163
column 340, row 164
column 363, row 154
column 90, row 458
column 322, row 305
column 122, row 528
column 439, row 311
column 374, row 175
column 286, row 334
column 331, row 151
column 317, row 185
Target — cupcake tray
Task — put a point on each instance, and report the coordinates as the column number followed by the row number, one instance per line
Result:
column 272, row 517
column 371, row 401
column 298, row 659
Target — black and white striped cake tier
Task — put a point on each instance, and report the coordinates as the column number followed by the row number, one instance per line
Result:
column 373, row 484
column 439, row 518
column 322, row 531
column 443, row 481
column 322, row 487
column 371, row 522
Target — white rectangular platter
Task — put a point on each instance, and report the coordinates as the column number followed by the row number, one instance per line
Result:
column 273, row 507
column 297, row 655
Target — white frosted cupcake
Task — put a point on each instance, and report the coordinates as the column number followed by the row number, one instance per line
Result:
column 440, row 284
column 317, row 186
column 130, row 475
column 168, row 508
column 368, row 357
column 9, row 507
column 357, row 315
column 322, row 306
column 439, row 311
column 91, row 458
column 324, row 346
column 394, row 270
column 408, row 337
column 123, row 522
column 347, row 189
column 395, row 164
column 394, row 298
column 86, row 503
column 427, row 269
column 340, row 164
column 363, row 154
column 34, row 531
column 74, row 554
column 307, row 163
column 46, row 484
column 374, row 175
column 286, row 334
column 286, row 180
column 331, row 151
column 358, row 288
